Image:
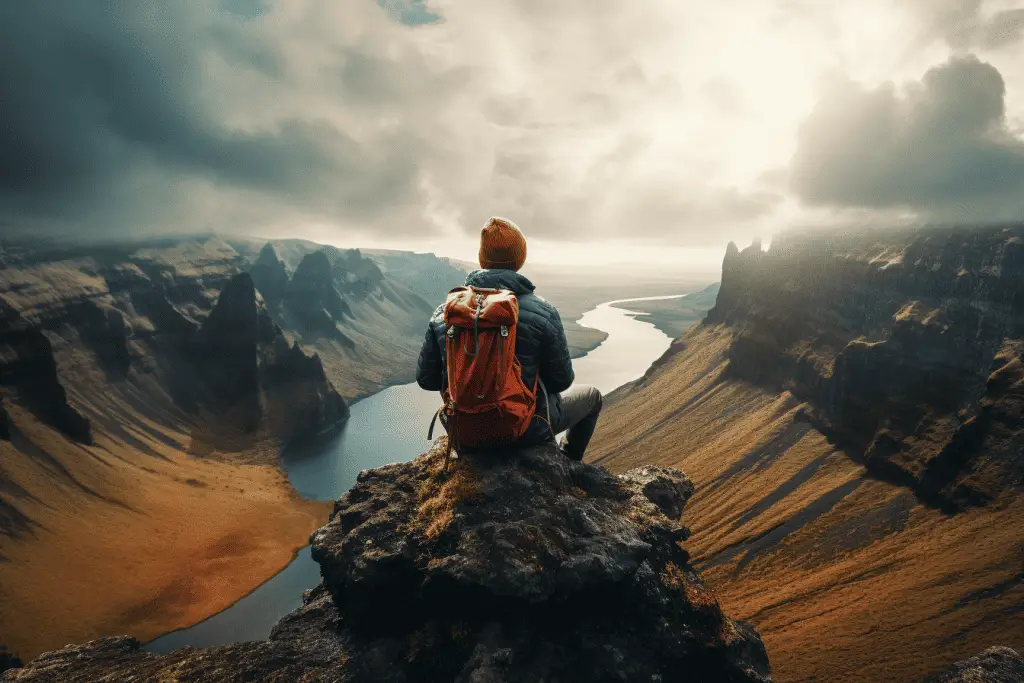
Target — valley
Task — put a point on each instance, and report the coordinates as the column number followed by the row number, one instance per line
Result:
column 148, row 389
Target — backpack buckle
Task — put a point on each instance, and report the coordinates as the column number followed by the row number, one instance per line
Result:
column 504, row 330
column 451, row 331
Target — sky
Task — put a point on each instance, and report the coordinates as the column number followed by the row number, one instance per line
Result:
column 647, row 131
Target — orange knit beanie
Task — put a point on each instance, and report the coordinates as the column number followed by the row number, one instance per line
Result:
column 502, row 245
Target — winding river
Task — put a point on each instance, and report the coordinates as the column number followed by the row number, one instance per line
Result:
column 391, row 426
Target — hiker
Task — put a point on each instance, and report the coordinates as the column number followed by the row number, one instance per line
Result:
column 488, row 404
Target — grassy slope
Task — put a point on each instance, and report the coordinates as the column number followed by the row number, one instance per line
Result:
column 139, row 539
column 847, row 578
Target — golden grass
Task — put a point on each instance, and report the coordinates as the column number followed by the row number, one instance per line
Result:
column 875, row 588
column 165, row 540
column 442, row 492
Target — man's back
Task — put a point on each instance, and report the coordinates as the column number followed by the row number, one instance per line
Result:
column 540, row 338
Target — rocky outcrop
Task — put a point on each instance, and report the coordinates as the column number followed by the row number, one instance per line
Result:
column 244, row 361
column 313, row 299
column 355, row 276
column 270, row 275
column 228, row 350
column 29, row 371
column 994, row 665
column 906, row 345
column 508, row 568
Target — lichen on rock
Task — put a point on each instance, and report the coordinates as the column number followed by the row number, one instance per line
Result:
column 994, row 665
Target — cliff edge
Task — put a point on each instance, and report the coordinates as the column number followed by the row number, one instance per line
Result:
column 508, row 568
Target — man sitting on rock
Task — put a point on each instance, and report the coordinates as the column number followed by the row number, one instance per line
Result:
column 540, row 348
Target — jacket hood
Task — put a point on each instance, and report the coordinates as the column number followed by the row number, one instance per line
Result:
column 500, row 279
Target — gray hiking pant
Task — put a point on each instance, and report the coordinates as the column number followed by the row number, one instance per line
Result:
column 575, row 411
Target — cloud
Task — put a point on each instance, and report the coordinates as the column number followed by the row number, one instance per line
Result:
column 972, row 24
column 418, row 119
column 397, row 116
column 110, row 100
column 939, row 147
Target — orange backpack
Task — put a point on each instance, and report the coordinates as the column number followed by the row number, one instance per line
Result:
column 486, row 403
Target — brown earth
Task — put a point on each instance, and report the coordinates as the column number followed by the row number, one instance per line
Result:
column 125, row 540
column 847, row 578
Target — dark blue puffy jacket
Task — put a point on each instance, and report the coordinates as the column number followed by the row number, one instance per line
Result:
column 540, row 342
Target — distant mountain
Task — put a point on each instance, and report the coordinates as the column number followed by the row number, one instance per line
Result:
column 852, row 414
column 363, row 312
column 81, row 333
column 430, row 275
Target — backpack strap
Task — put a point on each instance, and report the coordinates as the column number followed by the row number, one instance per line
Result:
column 547, row 402
column 451, row 422
column 433, row 421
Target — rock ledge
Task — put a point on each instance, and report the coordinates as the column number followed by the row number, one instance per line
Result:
column 512, row 567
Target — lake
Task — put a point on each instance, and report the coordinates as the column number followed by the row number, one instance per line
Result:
column 391, row 426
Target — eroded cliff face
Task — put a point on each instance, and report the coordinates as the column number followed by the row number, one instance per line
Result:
column 80, row 336
column 907, row 348
column 850, row 416
column 250, row 374
column 520, row 568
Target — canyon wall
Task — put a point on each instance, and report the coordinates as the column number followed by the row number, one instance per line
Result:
column 850, row 413
column 906, row 348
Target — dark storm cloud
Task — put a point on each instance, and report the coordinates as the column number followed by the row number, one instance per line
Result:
column 940, row 148
column 97, row 95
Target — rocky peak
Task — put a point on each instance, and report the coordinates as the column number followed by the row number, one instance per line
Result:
column 510, row 567
column 313, row 297
column 314, row 271
column 268, row 257
column 228, row 354
column 242, row 354
column 270, row 275
column 355, row 274
column 239, row 318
